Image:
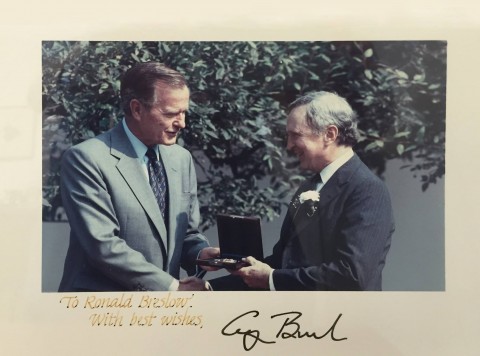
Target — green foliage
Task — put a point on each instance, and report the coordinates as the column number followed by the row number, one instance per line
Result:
column 239, row 91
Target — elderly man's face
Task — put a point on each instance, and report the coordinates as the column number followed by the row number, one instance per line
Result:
column 308, row 146
column 161, row 123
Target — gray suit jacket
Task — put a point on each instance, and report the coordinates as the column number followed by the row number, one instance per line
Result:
column 343, row 245
column 118, row 239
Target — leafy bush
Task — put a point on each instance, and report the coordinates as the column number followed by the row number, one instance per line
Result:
column 239, row 91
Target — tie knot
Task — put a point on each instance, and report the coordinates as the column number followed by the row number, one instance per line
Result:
column 314, row 181
column 152, row 156
column 317, row 178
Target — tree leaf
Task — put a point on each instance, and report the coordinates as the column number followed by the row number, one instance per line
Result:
column 400, row 149
column 240, row 92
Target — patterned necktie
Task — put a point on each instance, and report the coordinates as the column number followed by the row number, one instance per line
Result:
column 158, row 180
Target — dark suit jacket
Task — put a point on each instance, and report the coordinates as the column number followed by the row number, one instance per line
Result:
column 118, row 238
column 344, row 244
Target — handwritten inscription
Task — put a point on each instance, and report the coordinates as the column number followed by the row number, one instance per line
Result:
column 147, row 301
column 289, row 328
column 144, row 310
column 106, row 319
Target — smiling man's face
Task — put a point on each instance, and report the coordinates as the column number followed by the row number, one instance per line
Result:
column 308, row 146
column 162, row 122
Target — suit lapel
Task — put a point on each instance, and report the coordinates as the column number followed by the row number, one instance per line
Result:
column 131, row 170
column 334, row 185
column 329, row 191
column 293, row 215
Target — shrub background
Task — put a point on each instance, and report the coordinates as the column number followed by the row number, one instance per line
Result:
column 239, row 91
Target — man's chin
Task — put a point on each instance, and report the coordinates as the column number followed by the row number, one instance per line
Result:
column 303, row 166
column 168, row 143
column 306, row 167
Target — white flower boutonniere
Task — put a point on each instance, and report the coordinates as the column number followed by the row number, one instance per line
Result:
column 310, row 198
column 312, row 195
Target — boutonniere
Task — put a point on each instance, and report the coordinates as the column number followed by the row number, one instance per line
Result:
column 310, row 199
column 310, row 195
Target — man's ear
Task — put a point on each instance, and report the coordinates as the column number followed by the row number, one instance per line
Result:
column 331, row 133
column 136, row 108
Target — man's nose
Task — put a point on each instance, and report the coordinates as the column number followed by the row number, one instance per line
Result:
column 180, row 121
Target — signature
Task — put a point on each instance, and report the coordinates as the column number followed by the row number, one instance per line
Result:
column 289, row 329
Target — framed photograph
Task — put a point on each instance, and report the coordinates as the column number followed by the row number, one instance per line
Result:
column 422, row 119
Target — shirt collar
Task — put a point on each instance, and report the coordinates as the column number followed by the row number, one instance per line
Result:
column 139, row 147
column 330, row 170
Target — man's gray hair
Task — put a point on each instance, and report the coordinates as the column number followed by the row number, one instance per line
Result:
column 324, row 109
column 140, row 80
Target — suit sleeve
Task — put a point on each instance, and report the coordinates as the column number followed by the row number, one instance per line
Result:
column 362, row 239
column 194, row 241
column 90, row 212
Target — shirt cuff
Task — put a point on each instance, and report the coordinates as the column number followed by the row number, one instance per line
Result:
column 270, row 280
column 174, row 285
column 199, row 270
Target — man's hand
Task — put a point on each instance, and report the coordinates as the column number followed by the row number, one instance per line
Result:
column 256, row 275
column 193, row 283
column 209, row 252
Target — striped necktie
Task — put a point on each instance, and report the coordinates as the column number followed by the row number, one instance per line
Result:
column 158, row 180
